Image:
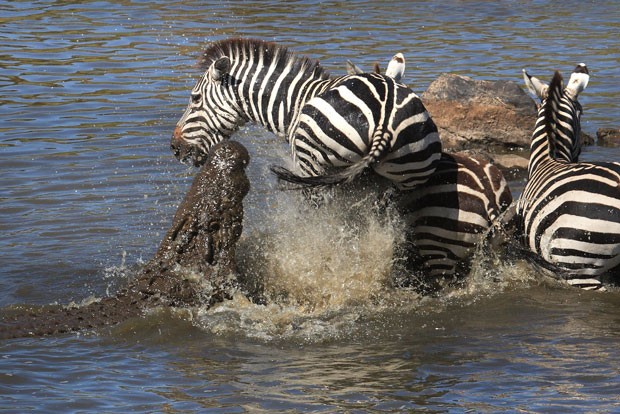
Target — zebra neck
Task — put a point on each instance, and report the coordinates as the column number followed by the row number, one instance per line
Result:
column 274, row 100
column 555, row 141
column 540, row 151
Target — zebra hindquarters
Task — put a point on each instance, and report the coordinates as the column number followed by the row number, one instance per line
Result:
column 325, row 141
column 576, row 230
column 412, row 164
column 448, row 216
column 365, row 121
column 415, row 149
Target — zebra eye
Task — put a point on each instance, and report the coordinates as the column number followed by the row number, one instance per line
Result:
column 196, row 98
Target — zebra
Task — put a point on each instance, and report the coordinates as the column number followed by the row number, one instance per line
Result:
column 447, row 217
column 336, row 127
column 569, row 211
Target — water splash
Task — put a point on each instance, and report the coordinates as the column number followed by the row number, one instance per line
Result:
column 338, row 255
column 316, row 270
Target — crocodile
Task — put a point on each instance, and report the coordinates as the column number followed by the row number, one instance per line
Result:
column 193, row 266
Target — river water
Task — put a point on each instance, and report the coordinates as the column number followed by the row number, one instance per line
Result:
column 90, row 94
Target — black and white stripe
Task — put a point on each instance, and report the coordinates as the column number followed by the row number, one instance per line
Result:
column 569, row 211
column 448, row 217
column 336, row 127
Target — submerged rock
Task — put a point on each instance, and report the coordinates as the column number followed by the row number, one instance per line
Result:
column 194, row 265
column 608, row 137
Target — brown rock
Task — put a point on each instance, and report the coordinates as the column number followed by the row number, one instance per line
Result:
column 512, row 165
column 480, row 114
column 608, row 137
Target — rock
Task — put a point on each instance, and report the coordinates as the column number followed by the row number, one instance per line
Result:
column 587, row 139
column 608, row 137
column 480, row 114
column 512, row 165
column 194, row 265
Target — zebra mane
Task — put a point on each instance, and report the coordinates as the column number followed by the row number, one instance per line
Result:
column 551, row 108
column 233, row 47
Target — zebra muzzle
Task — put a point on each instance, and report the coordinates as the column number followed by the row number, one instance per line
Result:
column 176, row 142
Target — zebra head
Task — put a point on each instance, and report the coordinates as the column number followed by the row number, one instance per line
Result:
column 564, row 102
column 212, row 115
column 577, row 83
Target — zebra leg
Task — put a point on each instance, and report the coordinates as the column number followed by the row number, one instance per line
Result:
column 429, row 265
column 504, row 229
column 415, row 273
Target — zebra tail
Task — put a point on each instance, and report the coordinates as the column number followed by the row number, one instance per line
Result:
column 379, row 147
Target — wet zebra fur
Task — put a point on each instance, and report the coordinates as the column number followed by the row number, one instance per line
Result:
column 448, row 216
column 569, row 211
column 336, row 127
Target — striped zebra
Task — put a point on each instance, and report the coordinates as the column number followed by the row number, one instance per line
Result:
column 569, row 211
column 448, row 216
column 336, row 127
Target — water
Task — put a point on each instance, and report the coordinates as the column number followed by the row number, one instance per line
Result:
column 89, row 95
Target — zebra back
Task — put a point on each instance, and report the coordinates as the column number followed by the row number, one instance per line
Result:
column 364, row 120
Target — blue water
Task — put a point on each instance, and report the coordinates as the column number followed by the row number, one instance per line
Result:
column 90, row 93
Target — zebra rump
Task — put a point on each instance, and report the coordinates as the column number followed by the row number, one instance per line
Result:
column 365, row 120
column 343, row 175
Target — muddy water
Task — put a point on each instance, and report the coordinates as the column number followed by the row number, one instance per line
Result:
column 90, row 93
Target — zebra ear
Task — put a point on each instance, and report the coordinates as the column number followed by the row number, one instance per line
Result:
column 535, row 85
column 219, row 68
column 396, row 67
column 578, row 80
column 353, row 69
